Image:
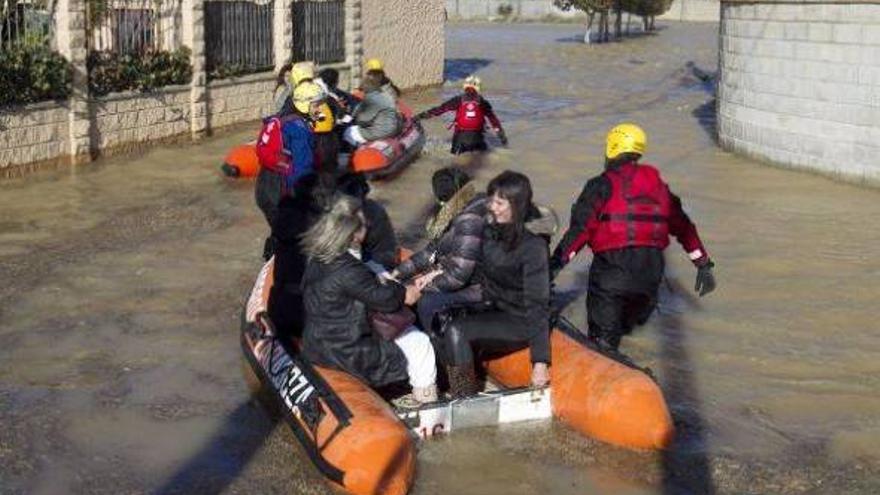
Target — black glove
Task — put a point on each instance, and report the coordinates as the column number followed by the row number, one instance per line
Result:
column 502, row 137
column 421, row 116
column 705, row 279
column 554, row 268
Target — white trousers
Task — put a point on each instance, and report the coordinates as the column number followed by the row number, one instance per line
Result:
column 421, row 365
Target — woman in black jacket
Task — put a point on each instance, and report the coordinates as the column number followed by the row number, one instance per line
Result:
column 339, row 290
column 515, row 278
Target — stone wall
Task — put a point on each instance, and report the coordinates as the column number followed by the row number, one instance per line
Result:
column 240, row 99
column 408, row 35
column 32, row 134
column 128, row 119
column 521, row 10
column 800, row 85
column 694, row 10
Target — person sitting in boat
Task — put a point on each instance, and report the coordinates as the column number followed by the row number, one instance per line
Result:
column 380, row 244
column 376, row 68
column 376, row 117
column 285, row 148
column 471, row 112
column 455, row 235
column 515, row 280
column 341, row 102
column 339, row 290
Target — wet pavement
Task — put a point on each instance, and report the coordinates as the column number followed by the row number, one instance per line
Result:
column 122, row 284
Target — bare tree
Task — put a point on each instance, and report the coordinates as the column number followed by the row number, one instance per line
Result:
column 591, row 8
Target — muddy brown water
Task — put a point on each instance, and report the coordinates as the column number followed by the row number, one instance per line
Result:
column 122, row 283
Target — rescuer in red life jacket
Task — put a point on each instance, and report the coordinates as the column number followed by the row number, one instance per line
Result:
column 626, row 216
column 471, row 111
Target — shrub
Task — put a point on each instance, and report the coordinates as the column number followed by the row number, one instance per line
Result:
column 32, row 73
column 111, row 72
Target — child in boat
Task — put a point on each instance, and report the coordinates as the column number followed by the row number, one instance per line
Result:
column 471, row 112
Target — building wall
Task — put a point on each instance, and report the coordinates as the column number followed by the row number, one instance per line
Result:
column 694, row 10
column 129, row 119
column 522, row 10
column 240, row 99
column 35, row 133
column 408, row 35
column 800, row 85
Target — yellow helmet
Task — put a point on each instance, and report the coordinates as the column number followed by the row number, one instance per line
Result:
column 305, row 94
column 325, row 122
column 374, row 64
column 472, row 82
column 301, row 71
column 625, row 138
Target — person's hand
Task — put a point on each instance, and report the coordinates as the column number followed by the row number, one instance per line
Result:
column 540, row 374
column 422, row 281
column 705, row 278
column 386, row 277
column 413, row 294
column 502, row 136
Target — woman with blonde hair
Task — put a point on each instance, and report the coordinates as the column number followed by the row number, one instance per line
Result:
column 339, row 292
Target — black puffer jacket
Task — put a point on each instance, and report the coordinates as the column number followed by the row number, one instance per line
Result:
column 337, row 296
column 456, row 251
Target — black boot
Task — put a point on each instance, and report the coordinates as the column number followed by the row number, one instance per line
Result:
column 462, row 381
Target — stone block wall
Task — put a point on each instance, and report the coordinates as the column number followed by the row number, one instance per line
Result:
column 408, row 35
column 800, row 85
column 240, row 99
column 36, row 133
column 128, row 119
column 694, row 10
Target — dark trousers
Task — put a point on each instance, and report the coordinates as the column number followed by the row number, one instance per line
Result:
column 268, row 192
column 431, row 303
column 493, row 332
column 467, row 141
column 622, row 292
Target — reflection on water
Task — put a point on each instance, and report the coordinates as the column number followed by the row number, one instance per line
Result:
column 122, row 283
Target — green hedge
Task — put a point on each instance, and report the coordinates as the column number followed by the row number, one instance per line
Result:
column 29, row 74
column 111, row 72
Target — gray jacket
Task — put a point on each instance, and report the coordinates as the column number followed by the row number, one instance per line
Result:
column 377, row 116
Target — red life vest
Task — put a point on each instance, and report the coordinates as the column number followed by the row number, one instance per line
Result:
column 470, row 115
column 637, row 214
column 270, row 145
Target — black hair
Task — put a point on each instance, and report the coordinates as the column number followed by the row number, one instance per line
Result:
column 621, row 159
column 516, row 188
column 447, row 181
column 281, row 78
column 330, row 77
column 354, row 185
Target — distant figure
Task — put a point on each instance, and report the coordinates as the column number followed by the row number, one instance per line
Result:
column 471, row 112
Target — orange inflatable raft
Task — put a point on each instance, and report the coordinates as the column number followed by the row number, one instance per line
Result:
column 357, row 441
column 241, row 161
column 387, row 157
column 351, row 434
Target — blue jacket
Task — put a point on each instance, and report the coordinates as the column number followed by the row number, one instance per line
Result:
column 300, row 143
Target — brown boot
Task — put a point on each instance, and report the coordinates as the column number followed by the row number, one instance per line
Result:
column 462, row 381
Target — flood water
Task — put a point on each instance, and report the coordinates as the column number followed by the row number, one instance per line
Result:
column 122, row 283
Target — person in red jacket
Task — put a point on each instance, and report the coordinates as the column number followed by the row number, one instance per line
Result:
column 626, row 215
column 471, row 112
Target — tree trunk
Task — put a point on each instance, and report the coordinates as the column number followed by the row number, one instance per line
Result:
column 628, row 20
column 651, row 23
column 646, row 24
column 618, row 20
column 588, row 33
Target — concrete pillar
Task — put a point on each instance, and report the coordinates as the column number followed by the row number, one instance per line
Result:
column 354, row 41
column 71, row 39
column 193, row 16
column 282, row 35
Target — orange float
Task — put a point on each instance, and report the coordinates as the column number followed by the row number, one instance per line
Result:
column 596, row 395
column 386, row 157
column 351, row 434
column 241, row 161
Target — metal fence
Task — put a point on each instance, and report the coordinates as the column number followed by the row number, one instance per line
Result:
column 133, row 26
column 319, row 31
column 238, row 36
column 26, row 22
